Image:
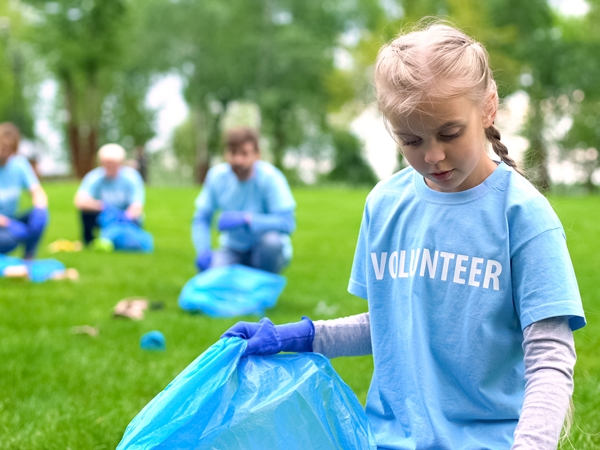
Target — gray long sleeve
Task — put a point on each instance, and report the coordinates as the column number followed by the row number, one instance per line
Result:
column 347, row 336
column 549, row 361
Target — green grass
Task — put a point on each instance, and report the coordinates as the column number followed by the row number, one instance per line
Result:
column 59, row 390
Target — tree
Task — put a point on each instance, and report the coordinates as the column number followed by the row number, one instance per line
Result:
column 350, row 167
column 279, row 57
column 82, row 43
column 14, row 106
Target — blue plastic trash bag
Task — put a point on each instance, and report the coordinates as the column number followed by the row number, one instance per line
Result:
column 8, row 261
column 153, row 340
column 225, row 401
column 43, row 269
column 231, row 291
column 125, row 234
column 39, row 270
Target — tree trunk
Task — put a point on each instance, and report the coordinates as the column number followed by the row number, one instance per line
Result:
column 589, row 184
column 279, row 140
column 536, row 156
column 202, row 151
column 213, row 142
column 83, row 139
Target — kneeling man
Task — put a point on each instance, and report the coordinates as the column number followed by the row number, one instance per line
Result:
column 257, row 209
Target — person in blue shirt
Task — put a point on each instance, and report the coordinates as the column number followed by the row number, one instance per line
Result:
column 110, row 185
column 257, row 209
column 471, row 292
column 16, row 175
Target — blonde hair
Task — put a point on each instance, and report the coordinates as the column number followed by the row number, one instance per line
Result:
column 111, row 152
column 436, row 61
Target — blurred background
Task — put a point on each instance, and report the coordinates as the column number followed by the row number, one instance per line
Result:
column 164, row 78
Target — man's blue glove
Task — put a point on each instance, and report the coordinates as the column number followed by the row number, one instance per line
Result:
column 38, row 217
column 264, row 338
column 233, row 219
column 18, row 229
column 204, row 259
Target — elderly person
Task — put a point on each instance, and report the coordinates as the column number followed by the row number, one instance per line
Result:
column 257, row 209
column 110, row 185
column 16, row 175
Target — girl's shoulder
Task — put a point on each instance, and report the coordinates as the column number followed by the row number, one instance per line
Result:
column 521, row 194
column 528, row 212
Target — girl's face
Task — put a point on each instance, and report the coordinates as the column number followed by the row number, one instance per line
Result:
column 445, row 142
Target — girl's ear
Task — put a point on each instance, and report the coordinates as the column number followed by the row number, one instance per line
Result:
column 490, row 109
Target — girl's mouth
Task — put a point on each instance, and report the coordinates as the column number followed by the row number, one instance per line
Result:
column 442, row 176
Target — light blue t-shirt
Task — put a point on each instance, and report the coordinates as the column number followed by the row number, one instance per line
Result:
column 265, row 192
column 121, row 191
column 452, row 279
column 16, row 175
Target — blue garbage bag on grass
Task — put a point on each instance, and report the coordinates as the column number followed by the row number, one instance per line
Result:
column 39, row 270
column 125, row 234
column 231, row 291
column 225, row 401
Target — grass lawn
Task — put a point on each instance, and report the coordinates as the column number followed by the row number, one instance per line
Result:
column 59, row 390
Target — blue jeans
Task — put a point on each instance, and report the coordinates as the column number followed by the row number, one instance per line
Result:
column 267, row 254
column 8, row 242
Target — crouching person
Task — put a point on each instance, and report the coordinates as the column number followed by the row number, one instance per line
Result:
column 17, row 175
column 110, row 185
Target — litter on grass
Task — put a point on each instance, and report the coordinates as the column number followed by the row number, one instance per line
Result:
column 131, row 308
column 153, row 340
column 85, row 329
column 64, row 245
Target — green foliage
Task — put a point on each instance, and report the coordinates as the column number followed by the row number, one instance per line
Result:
column 350, row 166
column 186, row 139
column 126, row 118
column 14, row 105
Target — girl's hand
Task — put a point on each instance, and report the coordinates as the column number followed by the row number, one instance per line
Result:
column 264, row 338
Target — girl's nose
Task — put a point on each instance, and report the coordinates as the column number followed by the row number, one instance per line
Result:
column 434, row 153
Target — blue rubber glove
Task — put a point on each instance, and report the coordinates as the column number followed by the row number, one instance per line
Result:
column 203, row 260
column 18, row 229
column 264, row 338
column 233, row 219
column 38, row 217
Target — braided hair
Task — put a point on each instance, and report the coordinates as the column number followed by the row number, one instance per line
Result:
column 493, row 135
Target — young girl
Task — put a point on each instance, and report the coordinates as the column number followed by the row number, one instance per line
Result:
column 471, row 291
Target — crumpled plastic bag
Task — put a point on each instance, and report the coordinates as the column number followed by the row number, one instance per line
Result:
column 231, row 291
column 123, row 233
column 38, row 270
column 225, row 401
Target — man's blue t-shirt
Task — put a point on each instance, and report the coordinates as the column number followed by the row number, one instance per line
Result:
column 16, row 175
column 121, row 191
column 265, row 192
column 452, row 279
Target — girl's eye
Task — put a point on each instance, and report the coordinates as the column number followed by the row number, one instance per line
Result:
column 412, row 142
column 449, row 137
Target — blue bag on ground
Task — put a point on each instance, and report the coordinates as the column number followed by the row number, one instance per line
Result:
column 224, row 401
column 231, row 291
column 39, row 270
column 125, row 234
